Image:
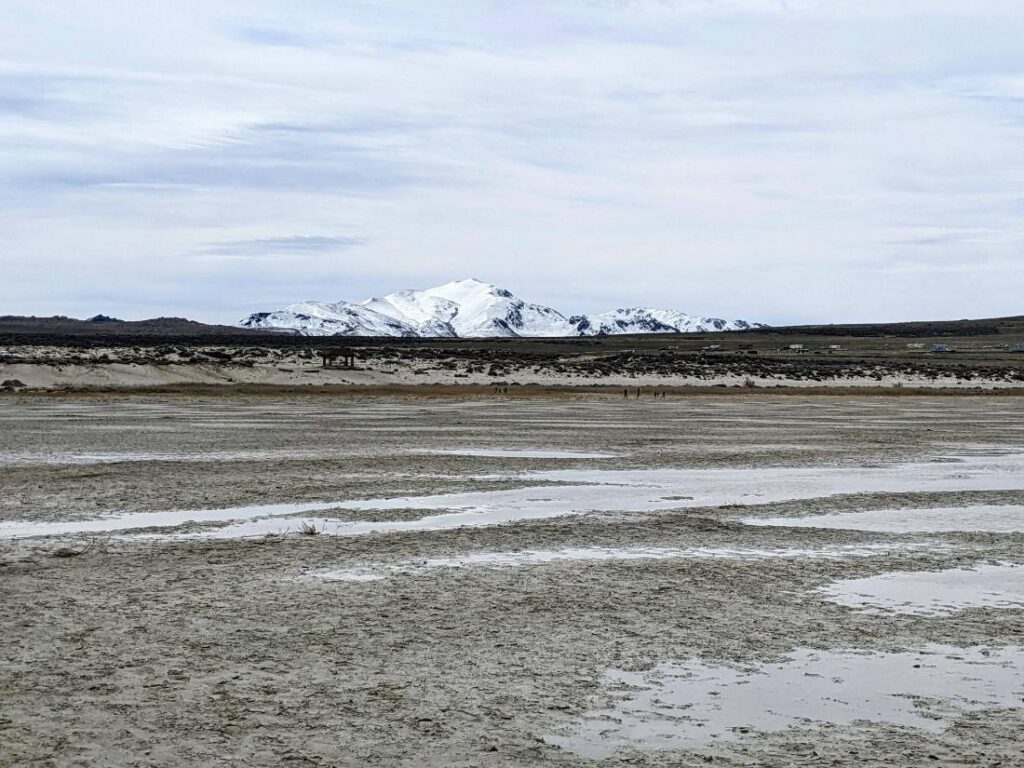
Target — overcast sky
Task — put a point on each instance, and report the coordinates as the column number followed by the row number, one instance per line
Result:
column 776, row 160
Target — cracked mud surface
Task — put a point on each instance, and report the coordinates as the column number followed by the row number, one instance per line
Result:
column 142, row 652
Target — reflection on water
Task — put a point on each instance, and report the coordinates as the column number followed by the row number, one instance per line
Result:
column 1006, row 518
column 588, row 490
column 934, row 592
column 692, row 704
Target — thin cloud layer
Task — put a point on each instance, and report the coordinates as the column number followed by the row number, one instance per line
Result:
column 278, row 246
column 783, row 161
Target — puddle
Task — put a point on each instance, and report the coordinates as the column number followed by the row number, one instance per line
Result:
column 513, row 453
column 602, row 491
column 979, row 518
column 471, row 518
column 118, row 457
column 598, row 554
column 692, row 704
column 141, row 520
column 983, row 449
column 934, row 593
column 659, row 489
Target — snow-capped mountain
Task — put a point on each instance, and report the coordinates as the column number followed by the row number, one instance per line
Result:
column 471, row 308
column 639, row 320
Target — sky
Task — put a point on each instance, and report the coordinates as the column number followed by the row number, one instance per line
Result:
column 782, row 161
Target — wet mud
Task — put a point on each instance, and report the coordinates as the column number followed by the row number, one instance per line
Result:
column 541, row 640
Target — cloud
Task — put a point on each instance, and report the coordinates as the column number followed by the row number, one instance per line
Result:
column 274, row 36
column 734, row 158
column 296, row 245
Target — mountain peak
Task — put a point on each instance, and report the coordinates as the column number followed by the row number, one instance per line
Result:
column 469, row 283
column 469, row 286
column 470, row 293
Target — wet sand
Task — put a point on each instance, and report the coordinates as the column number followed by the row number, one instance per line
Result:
column 547, row 639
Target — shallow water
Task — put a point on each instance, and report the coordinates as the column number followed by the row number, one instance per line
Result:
column 512, row 453
column 117, row 457
column 18, row 529
column 934, row 592
column 981, row 518
column 661, row 489
column 592, row 491
column 692, row 704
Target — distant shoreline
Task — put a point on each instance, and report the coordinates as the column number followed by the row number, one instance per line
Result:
column 526, row 391
column 766, row 361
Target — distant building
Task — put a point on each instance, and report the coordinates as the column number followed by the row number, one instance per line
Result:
column 941, row 348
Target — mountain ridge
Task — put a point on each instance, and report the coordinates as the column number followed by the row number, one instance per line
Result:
column 472, row 308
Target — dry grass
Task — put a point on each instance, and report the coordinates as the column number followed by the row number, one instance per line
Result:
column 64, row 553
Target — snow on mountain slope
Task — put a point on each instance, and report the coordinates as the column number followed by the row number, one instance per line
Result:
column 429, row 315
column 640, row 320
column 471, row 308
column 619, row 321
column 314, row 318
column 692, row 324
